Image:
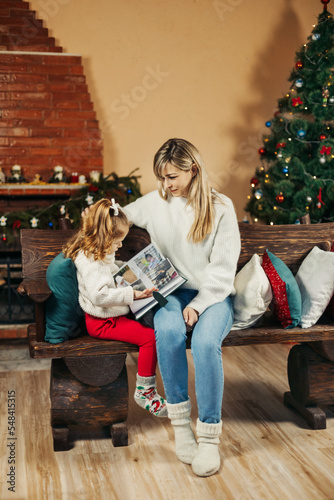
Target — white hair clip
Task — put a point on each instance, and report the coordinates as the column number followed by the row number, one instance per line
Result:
column 115, row 206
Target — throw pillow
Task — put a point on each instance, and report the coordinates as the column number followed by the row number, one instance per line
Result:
column 330, row 307
column 287, row 298
column 63, row 314
column 253, row 294
column 315, row 279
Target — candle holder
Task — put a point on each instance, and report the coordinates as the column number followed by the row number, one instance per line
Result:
column 74, row 177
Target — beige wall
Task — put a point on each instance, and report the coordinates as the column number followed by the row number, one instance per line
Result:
column 208, row 71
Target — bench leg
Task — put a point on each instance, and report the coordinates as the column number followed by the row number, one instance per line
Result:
column 119, row 434
column 74, row 402
column 311, row 381
column 61, row 439
column 314, row 416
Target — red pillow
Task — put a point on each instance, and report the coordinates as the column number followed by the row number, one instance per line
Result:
column 286, row 293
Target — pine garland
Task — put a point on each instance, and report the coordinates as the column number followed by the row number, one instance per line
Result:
column 124, row 189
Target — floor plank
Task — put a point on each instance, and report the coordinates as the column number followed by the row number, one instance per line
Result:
column 267, row 450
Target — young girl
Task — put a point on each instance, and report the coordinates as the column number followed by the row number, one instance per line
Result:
column 197, row 229
column 93, row 252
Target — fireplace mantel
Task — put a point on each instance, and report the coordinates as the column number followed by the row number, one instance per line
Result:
column 35, row 190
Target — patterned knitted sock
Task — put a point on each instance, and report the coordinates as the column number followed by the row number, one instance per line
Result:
column 147, row 397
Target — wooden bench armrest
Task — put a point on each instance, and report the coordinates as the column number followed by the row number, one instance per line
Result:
column 37, row 290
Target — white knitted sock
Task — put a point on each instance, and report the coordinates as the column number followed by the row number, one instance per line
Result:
column 207, row 459
column 147, row 397
column 185, row 442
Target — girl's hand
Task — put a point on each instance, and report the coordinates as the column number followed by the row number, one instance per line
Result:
column 143, row 294
column 190, row 317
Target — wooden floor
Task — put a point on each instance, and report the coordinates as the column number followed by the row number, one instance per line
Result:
column 267, row 450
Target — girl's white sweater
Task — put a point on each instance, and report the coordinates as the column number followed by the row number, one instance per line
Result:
column 98, row 295
column 209, row 266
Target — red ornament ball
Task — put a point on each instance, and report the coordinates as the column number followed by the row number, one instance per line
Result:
column 322, row 137
column 280, row 198
column 262, row 151
column 254, row 181
column 299, row 65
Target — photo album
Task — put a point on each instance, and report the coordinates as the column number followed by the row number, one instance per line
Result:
column 148, row 269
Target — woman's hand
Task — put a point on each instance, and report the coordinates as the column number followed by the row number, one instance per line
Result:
column 190, row 317
column 143, row 294
column 85, row 212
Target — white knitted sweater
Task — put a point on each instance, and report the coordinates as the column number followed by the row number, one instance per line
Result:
column 98, row 295
column 209, row 266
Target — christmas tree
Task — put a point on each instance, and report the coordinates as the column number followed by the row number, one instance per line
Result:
column 296, row 176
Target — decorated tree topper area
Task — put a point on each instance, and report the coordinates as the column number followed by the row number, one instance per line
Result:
column 296, row 172
column 124, row 189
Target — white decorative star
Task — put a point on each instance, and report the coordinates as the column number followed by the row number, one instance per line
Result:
column 89, row 199
column 3, row 221
column 34, row 222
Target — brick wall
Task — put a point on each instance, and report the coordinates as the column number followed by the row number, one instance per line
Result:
column 46, row 114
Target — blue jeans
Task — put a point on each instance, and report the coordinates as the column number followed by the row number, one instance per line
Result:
column 208, row 334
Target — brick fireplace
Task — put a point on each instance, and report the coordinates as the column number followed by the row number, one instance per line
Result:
column 47, row 118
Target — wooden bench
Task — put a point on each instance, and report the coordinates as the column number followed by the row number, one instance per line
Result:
column 88, row 376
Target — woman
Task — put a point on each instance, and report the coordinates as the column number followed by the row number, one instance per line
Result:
column 196, row 228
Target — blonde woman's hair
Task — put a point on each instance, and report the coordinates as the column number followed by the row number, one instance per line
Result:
column 183, row 155
column 98, row 229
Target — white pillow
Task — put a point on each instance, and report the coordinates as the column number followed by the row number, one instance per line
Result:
column 253, row 294
column 315, row 279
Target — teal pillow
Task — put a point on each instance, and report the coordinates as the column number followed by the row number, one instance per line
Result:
column 286, row 294
column 64, row 316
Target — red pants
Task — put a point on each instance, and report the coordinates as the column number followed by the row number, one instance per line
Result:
column 127, row 330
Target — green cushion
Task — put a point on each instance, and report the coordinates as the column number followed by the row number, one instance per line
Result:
column 64, row 316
